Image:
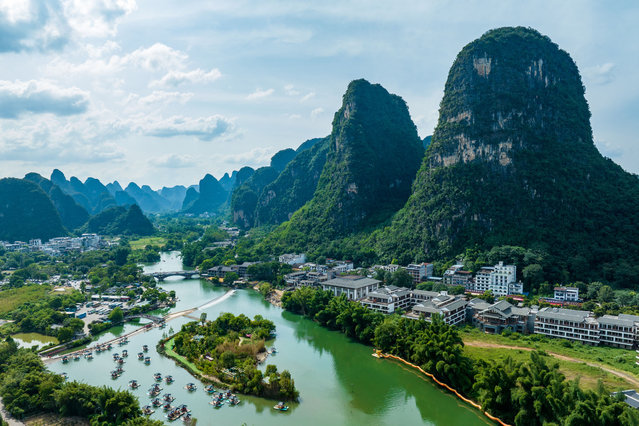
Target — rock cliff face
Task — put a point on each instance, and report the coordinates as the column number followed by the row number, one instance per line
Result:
column 211, row 197
column 512, row 161
column 373, row 155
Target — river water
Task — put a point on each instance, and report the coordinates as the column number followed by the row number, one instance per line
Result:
column 340, row 383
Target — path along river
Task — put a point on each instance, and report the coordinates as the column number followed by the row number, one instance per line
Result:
column 340, row 383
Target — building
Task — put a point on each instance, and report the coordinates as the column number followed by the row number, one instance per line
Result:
column 353, row 286
column 500, row 279
column 419, row 271
column 293, row 259
column 620, row 331
column 502, row 315
column 567, row 294
column 387, row 299
column 452, row 310
column 569, row 324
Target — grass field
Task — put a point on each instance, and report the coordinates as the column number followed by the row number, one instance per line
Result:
column 588, row 375
column 12, row 298
column 168, row 347
column 143, row 242
column 622, row 360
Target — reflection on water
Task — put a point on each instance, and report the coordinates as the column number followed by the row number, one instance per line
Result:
column 340, row 383
column 28, row 340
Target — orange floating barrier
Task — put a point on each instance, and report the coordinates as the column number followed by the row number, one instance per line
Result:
column 379, row 354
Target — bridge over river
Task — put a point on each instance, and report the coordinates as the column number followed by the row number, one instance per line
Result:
column 161, row 276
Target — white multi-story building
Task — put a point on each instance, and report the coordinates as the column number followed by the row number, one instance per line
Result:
column 354, row 287
column 568, row 294
column 387, row 299
column 500, row 279
column 568, row 324
column 620, row 331
column 451, row 309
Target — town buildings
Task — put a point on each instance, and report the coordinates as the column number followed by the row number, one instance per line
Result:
column 58, row 245
column 387, row 299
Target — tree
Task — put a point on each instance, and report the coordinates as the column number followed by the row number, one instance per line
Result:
column 605, row 294
column 203, row 317
column 533, row 275
column 401, row 278
column 230, row 278
column 116, row 316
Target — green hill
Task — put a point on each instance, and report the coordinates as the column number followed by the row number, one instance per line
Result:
column 294, row 186
column 72, row 215
column 373, row 155
column 512, row 162
column 120, row 221
column 26, row 212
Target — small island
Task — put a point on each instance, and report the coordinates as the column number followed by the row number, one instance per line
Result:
column 226, row 351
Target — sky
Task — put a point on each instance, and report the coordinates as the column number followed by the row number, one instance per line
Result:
column 162, row 92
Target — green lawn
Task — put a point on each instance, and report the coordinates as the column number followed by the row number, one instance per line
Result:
column 12, row 298
column 619, row 359
column 143, row 242
column 168, row 347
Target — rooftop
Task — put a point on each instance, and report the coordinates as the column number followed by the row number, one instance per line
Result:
column 351, row 281
column 565, row 314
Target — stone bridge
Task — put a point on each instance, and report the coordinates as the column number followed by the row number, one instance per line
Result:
column 161, row 276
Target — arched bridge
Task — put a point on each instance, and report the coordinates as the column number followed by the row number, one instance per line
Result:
column 161, row 276
column 155, row 319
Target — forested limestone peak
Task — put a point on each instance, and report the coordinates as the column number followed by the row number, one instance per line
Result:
column 373, row 155
column 512, row 162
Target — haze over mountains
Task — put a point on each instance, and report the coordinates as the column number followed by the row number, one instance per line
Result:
column 511, row 162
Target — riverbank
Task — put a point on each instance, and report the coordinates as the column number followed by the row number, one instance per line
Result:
column 274, row 297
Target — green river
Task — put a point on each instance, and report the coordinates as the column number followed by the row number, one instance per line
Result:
column 340, row 383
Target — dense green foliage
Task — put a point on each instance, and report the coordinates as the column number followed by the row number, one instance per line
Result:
column 26, row 212
column 529, row 393
column 40, row 314
column 512, row 162
column 120, row 221
column 227, row 348
column 245, row 196
column 72, row 215
column 374, row 153
column 293, row 187
column 26, row 388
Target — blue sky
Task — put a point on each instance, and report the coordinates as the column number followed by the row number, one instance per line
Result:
column 161, row 92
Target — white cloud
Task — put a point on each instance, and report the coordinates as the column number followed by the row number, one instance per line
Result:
column 203, row 128
column 43, row 25
column 51, row 142
column 294, row 117
column 254, row 157
column 600, row 74
column 29, row 25
column 316, row 112
column 172, row 161
column 153, row 58
column 177, row 78
column 307, row 97
column 97, row 18
column 39, row 97
column 259, row 94
column 162, row 97
column 290, row 90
